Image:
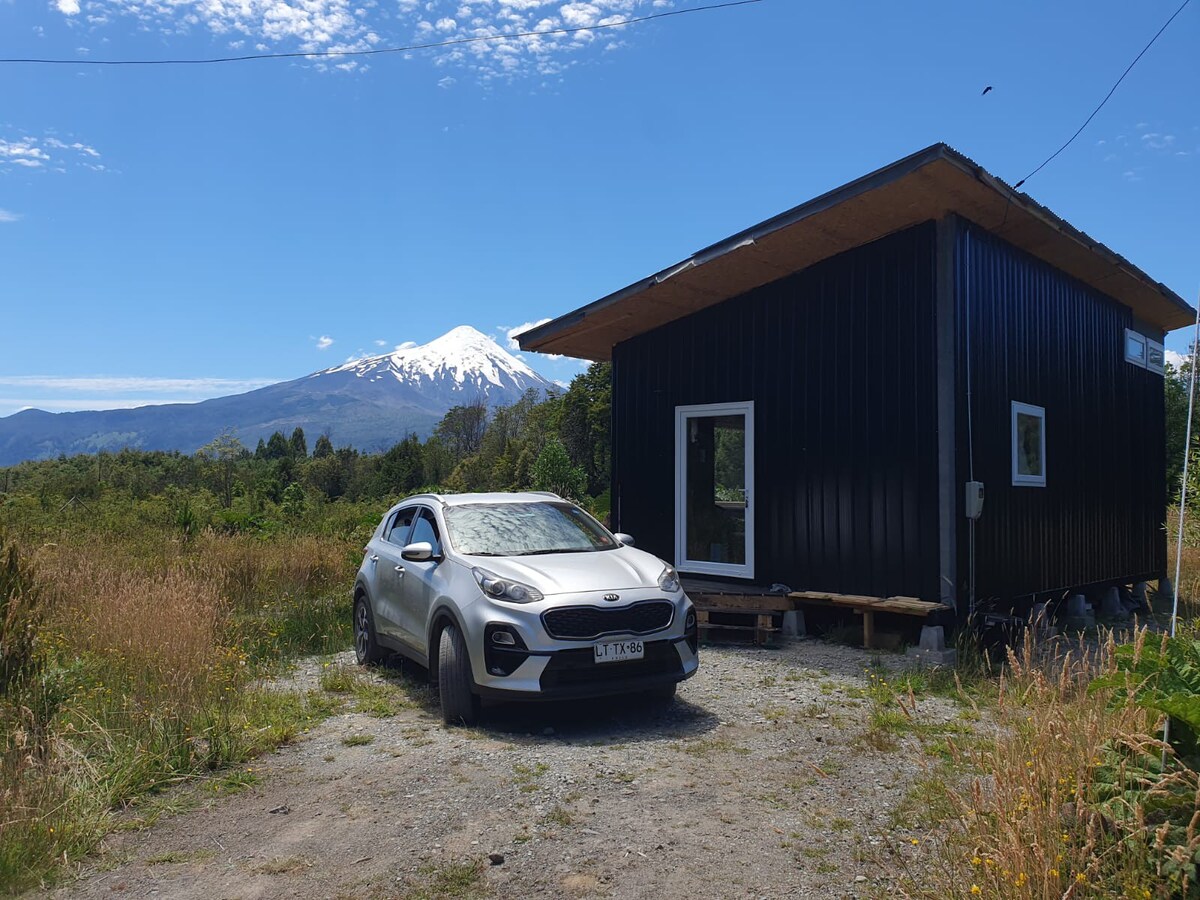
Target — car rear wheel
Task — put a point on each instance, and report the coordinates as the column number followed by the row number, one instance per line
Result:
column 460, row 704
column 366, row 647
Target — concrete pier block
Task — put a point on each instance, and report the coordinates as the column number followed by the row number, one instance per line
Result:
column 1111, row 606
column 931, row 649
column 1079, row 613
column 1039, row 621
column 1140, row 597
column 793, row 624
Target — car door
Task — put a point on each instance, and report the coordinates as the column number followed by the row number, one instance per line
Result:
column 422, row 580
column 389, row 572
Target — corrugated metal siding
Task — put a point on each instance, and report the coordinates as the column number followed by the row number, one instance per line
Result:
column 840, row 362
column 1037, row 336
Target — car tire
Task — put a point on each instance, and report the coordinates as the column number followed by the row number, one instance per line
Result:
column 366, row 648
column 460, row 704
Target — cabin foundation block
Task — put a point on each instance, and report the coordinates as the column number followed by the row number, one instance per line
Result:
column 793, row 624
column 1111, row 606
column 1079, row 612
column 931, row 650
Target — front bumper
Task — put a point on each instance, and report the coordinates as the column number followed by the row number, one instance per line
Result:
column 572, row 674
column 540, row 666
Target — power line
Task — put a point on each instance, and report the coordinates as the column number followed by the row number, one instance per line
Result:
column 1112, row 91
column 380, row 50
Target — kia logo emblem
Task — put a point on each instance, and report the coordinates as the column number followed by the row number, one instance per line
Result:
column 612, row 598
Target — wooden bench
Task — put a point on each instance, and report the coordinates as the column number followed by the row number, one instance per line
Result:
column 758, row 610
column 867, row 607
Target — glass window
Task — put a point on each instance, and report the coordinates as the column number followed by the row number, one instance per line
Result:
column 525, row 529
column 397, row 532
column 425, row 530
column 1028, row 445
column 1155, row 357
column 1135, row 348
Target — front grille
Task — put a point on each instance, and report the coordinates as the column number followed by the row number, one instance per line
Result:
column 568, row 668
column 582, row 623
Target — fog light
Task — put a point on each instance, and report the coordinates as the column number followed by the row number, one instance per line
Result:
column 690, row 621
column 504, row 638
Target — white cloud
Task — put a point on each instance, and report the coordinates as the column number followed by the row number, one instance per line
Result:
column 346, row 25
column 407, row 345
column 1174, row 358
column 324, row 342
column 46, row 152
column 511, row 333
column 133, row 384
column 7, row 216
column 380, row 343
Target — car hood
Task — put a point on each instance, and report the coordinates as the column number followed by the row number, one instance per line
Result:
column 563, row 573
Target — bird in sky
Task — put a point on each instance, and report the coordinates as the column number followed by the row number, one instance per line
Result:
column 986, row 89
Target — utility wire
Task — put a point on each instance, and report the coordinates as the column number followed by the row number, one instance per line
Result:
column 378, row 50
column 1112, row 91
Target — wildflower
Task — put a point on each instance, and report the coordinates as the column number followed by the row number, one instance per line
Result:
column 1081, row 878
column 976, row 889
column 1021, row 879
column 915, row 841
column 976, row 861
column 1054, row 873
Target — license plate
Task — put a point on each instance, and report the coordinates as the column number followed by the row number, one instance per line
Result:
column 618, row 651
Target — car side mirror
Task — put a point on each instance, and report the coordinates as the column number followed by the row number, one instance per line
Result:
column 626, row 539
column 421, row 551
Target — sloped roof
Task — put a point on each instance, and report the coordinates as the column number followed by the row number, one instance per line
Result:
column 927, row 185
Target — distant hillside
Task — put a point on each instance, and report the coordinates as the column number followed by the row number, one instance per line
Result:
column 370, row 404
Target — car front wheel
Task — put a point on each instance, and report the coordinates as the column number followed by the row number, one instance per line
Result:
column 460, row 704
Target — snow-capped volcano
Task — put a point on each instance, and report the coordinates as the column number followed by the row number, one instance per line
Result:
column 463, row 364
column 368, row 403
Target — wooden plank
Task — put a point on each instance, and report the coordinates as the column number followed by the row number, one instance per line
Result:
column 868, row 628
column 738, row 602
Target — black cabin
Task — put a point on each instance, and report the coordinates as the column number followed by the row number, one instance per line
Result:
column 823, row 399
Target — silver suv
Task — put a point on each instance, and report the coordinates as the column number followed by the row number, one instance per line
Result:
column 520, row 596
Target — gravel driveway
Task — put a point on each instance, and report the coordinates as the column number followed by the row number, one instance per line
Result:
column 755, row 782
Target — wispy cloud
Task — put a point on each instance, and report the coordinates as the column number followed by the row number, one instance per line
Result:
column 49, row 153
column 511, row 332
column 311, row 25
column 7, row 216
column 407, row 345
column 324, row 342
column 381, row 343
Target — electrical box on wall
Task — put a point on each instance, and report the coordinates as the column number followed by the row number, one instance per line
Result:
column 973, row 499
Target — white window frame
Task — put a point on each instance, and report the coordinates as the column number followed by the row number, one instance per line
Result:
column 706, row 567
column 1154, row 347
column 1021, row 479
column 1139, row 339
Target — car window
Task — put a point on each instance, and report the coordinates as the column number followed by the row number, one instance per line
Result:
column 398, row 528
column 425, row 529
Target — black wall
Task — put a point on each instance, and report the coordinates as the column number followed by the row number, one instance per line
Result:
column 1037, row 336
column 840, row 361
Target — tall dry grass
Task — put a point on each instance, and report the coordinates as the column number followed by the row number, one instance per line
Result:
column 151, row 655
column 1067, row 801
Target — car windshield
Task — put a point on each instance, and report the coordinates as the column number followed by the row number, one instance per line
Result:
column 525, row 529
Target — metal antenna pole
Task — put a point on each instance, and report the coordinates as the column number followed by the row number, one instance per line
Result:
column 1183, row 486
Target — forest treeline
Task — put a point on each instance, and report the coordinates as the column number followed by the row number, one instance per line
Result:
column 558, row 442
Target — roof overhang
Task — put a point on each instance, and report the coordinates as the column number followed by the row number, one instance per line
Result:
column 928, row 185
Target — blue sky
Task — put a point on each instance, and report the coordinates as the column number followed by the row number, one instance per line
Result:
column 176, row 233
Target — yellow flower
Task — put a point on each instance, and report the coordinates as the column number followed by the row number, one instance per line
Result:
column 1054, row 873
column 976, row 889
column 1021, row 879
column 1081, row 878
column 915, row 841
column 976, row 861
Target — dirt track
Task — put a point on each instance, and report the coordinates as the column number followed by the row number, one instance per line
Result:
column 754, row 783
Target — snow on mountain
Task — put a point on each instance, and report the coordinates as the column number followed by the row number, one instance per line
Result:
column 462, row 360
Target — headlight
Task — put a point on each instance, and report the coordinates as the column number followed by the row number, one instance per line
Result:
column 669, row 580
column 503, row 589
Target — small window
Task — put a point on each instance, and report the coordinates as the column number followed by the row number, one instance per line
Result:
column 1155, row 357
column 1135, row 348
column 399, row 527
column 1028, row 445
column 426, row 530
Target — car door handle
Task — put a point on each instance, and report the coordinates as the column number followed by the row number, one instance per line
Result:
column 374, row 559
column 400, row 569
